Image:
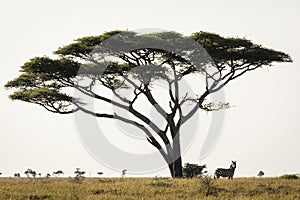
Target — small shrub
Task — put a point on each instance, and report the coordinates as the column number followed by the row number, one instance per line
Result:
column 289, row 176
column 208, row 187
column 192, row 170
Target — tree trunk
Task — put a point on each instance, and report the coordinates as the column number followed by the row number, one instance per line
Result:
column 171, row 168
column 176, row 168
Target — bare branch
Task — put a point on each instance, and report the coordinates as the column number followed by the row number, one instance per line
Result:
column 94, row 95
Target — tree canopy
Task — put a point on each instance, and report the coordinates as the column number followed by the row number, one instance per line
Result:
column 123, row 60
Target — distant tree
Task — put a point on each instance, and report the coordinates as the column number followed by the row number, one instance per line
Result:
column 48, row 175
column 0, row 173
column 44, row 81
column 123, row 173
column 17, row 175
column 33, row 173
column 290, row 176
column 77, row 170
column 193, row 170
column 58, row 172
column 260, row 173
column 78, row 173
column 99, row 173
column 29, row 172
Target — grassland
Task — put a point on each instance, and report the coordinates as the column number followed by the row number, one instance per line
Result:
column 148, row 188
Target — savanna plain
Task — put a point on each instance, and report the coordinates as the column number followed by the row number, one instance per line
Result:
column 148, row 188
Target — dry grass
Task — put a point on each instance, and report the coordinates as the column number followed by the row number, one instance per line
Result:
column 148, row 188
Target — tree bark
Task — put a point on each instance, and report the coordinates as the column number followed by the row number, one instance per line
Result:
column 176, row 168
column 171, row 168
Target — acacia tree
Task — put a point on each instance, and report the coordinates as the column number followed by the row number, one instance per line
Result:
column 79, row 174
column 58, row 172
column 31, row 172
column 44, row 80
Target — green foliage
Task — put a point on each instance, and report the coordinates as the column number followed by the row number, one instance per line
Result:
column 83, row 46
column 289, row 176
column 43, row 79
column 41, row 82
column 40, row 95
column 192, row 170
column 239, row 50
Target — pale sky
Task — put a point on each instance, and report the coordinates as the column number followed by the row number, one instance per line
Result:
column 261, row 131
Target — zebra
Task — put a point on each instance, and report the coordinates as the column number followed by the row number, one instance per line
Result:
column 225, row 172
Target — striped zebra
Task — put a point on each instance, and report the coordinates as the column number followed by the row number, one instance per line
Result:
column 225, row 172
